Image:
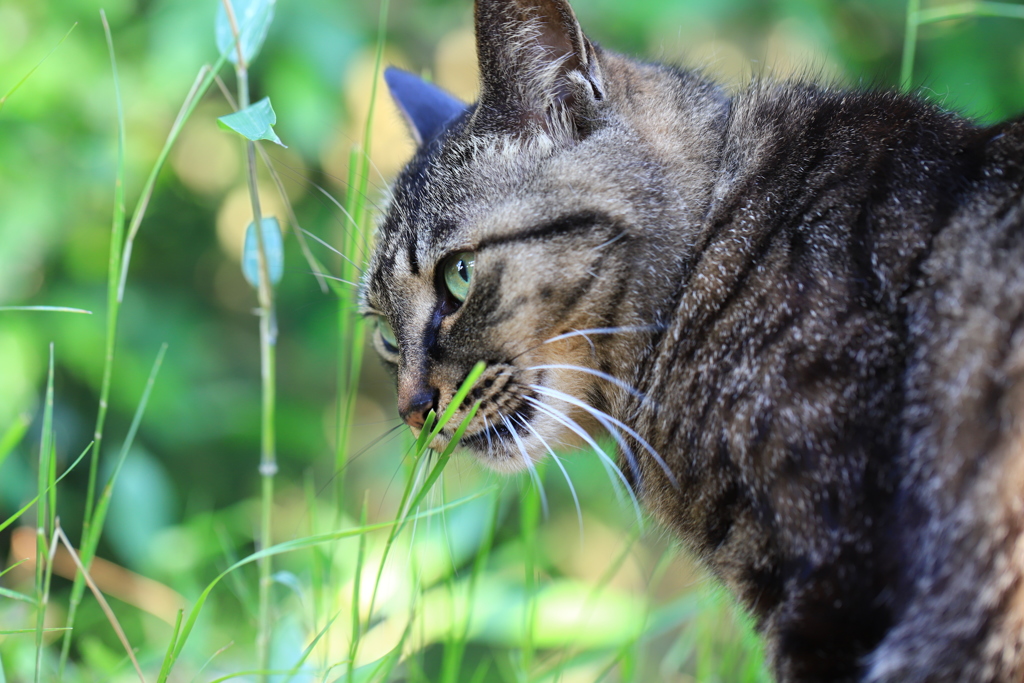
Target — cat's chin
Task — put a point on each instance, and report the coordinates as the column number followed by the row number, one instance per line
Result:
column 497, row 448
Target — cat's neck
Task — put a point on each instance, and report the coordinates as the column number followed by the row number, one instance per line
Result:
column 770, row 390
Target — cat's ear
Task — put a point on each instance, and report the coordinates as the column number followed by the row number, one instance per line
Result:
column 426, row 108
column 536, row 66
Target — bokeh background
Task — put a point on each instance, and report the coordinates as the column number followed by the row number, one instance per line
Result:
column 186, row 501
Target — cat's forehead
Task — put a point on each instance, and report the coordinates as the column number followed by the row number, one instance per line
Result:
column 453, row 197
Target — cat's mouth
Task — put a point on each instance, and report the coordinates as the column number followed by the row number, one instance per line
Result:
column 524, row 413
column 503, row 435
column 512, row 427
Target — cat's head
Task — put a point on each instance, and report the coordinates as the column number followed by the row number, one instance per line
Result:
column 531, row 229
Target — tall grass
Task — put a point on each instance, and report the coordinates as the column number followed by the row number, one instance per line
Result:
column 460, row 586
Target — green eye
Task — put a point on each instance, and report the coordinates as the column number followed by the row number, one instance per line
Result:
column 387, row 336
column 458, row 273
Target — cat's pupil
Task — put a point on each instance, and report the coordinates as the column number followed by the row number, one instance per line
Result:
column 457, row 274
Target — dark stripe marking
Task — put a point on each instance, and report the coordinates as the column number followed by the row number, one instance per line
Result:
column 566, row 225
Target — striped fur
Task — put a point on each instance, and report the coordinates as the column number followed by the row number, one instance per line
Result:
column 799, row 309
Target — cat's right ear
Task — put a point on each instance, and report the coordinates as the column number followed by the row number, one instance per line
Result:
column 537, row 69
column 426, row 108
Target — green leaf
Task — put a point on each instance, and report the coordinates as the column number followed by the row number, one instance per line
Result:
column 286, row 547
column 14, row 595
column 255, row 122
column 273, row 247
column 10, row 92
column 52, row 309
column 13, row 436
column 10, row 520
column 253, row 19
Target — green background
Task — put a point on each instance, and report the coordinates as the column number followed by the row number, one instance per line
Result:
column 186, row 500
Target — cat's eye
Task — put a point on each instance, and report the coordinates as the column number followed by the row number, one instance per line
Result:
column 458, row 272
column 387, row 336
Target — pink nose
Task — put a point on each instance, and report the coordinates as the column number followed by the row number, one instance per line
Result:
column 414, row 409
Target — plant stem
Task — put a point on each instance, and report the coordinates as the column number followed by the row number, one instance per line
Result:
column 268, row 342
column 970, row 9
column 909, row 43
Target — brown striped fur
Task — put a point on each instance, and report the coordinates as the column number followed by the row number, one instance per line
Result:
column 817, row 370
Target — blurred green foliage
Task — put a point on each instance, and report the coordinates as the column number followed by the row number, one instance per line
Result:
column 185, row 506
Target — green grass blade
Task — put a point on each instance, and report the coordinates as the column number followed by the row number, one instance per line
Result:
column 356, row 584
column 456, row 648
column 909, row 44
column 204, row 79
column 108, row 490
column 113, row 268
column 963, row 10
column 91, row 534
column 422, row 441
column 287, row 547
column 45, row 463
column 50, row 309
column 10, row 520
column 459, row 397
column 175, row 633
column 309, row 648
column 15, row 595
column 442, row 459
column 13, row 565
column 364, row 166
column 917, row 17
column 120, row 259
column 3, row 100
column 13, row 436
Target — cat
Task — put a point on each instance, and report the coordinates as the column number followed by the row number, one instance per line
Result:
column 798, row 309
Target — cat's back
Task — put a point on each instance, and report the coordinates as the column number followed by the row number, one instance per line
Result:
column 962, row 488
column 860, row 273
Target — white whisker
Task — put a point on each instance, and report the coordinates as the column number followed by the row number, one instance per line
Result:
column 336, row 279
column 529, row 465
column 609, row 464
column 601, row 416
column 605, row 330
column 336, row 251
column 597, row 373
column 487, row 433
column 610, row 242
column 634, row 465
column 568, row 481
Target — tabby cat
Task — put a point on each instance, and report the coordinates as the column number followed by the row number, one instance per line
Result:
column 799, row 310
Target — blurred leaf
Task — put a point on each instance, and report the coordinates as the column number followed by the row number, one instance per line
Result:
column 12, row 437
column 14, row 595
column 143, row 507
column 273, row 247
column 253, row 19
column 17, row 85
column 289, row 579
column 255, row 122
column 7, row 522
column 50, row 309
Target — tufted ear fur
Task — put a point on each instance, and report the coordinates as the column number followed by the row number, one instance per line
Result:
column 426, row 108
column 536, row 66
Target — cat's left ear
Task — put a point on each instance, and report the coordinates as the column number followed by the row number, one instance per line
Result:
column 426, row 108
column 536, row 66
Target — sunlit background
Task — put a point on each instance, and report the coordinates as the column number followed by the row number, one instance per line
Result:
column 186, row 503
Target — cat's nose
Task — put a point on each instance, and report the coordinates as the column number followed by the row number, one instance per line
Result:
column 414, row 408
